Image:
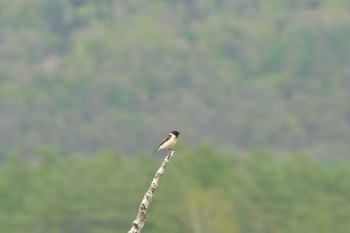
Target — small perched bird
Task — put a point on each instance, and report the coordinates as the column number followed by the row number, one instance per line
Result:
column 168, row 142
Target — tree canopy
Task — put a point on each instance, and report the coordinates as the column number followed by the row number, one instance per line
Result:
column 202, row 190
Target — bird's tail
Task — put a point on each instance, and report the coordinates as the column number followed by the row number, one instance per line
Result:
column 154, row 152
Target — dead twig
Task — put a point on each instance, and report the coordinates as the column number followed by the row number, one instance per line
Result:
column 140, row 219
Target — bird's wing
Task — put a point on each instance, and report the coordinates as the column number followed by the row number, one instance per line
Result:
column 164, row 140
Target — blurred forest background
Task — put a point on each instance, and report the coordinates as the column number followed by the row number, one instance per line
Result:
column 259, row 89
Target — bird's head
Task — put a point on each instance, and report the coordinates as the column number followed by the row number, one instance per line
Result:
column 176, row 133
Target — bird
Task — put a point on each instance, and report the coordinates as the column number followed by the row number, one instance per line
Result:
column 168, row 142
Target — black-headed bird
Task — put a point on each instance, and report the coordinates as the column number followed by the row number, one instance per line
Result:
column 168, row 142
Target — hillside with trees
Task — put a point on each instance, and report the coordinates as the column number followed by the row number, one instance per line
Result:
column 83, row 76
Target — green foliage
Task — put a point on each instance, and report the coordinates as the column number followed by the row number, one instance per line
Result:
column 80, row 75
column 288, row 196
column 207, row 211
column 202, row 190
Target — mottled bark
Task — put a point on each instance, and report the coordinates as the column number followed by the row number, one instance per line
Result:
column 140, row 219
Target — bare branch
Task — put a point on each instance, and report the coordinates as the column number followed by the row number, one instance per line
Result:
column 140, row 219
